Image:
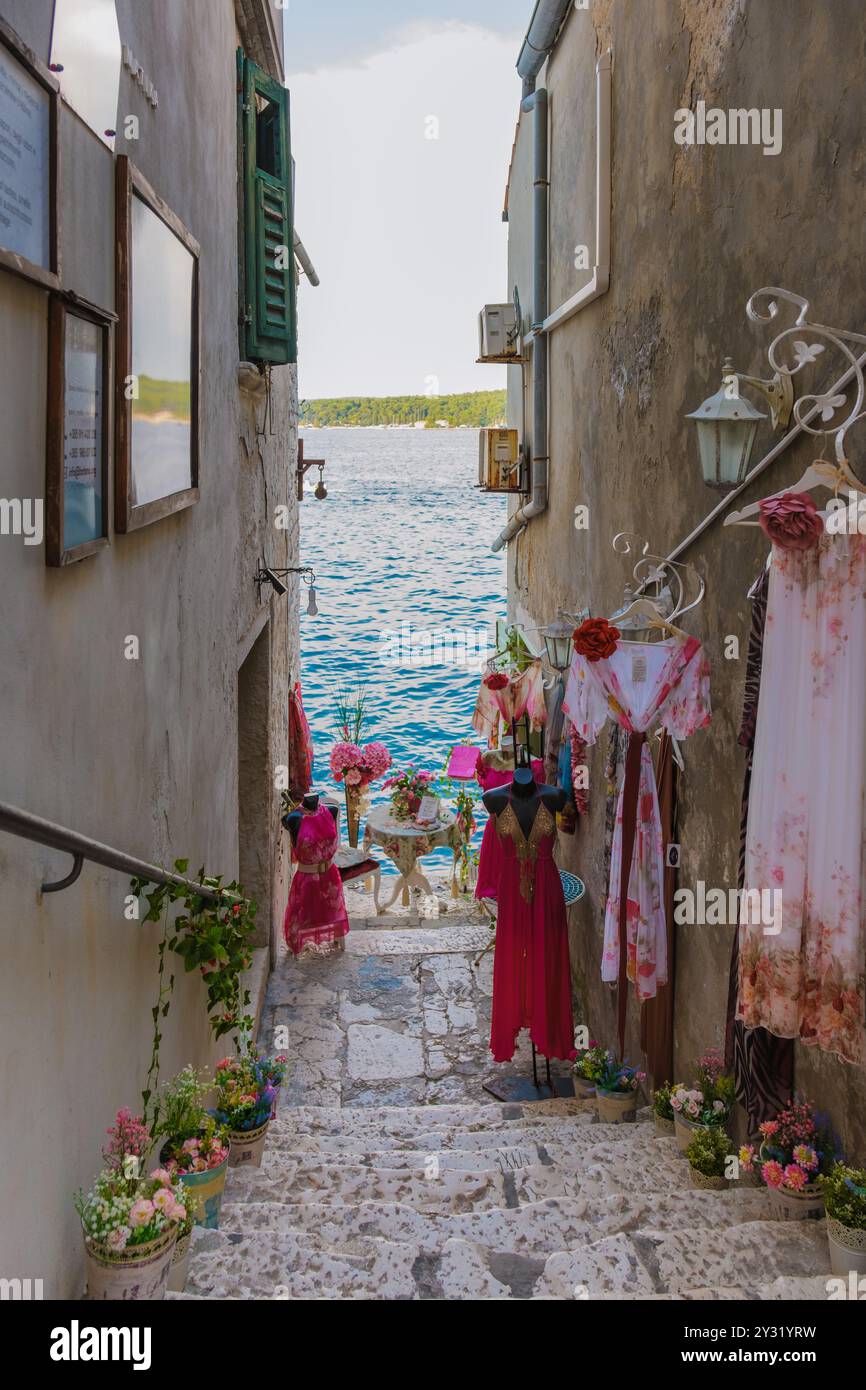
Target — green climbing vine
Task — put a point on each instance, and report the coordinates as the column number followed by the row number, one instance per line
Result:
column 214, row 936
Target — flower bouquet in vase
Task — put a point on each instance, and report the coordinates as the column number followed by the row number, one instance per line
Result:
column 616, row 1091
column 707, row 1104
column 589, row 1064
column 663, row 1111
column 352, row 764
column 708, row 1155
column 194, row 1146
column 245, row 1102
column 408, row 790
column 844, row 1192
column 797, row 1149
column 130, row 1221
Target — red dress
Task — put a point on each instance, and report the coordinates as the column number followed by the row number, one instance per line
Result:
column 531, row 974
column 316, row 912
column 491, row 856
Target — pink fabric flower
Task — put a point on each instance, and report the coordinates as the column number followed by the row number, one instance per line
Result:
column 791, row 520
column 377, row 759
column 353, row 777
column 118, row 1237
column 806, row 1157
column 142, row 1211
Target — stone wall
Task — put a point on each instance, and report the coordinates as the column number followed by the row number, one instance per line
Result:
column 142, row 755
column 695, row 230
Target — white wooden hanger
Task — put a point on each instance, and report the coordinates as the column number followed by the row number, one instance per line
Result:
column 645, row 608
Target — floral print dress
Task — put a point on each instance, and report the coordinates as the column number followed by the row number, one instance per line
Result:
column 640, row 685
column 316, row 911
column 806, row 835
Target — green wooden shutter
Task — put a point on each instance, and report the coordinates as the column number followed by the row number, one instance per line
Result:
column 268, row 299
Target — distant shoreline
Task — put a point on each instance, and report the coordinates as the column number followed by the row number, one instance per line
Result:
column 465, row 410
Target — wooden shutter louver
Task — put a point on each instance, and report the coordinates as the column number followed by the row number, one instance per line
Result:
column 269, row 291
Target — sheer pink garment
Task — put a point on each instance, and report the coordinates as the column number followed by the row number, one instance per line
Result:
column 524, row 694
column 531, row 974
column 492, row 854
column 802, row 958
column 316, row 912
column 641, row 685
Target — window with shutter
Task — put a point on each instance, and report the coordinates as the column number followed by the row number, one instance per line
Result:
column 268, row 288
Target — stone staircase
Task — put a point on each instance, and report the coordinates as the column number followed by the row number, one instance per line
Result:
column 389, row 1172
column 491, row 1202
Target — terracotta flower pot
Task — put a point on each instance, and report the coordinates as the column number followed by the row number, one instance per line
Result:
column 664, row 1126
column 247, row 1147
column 141, row 1272
column 702, row 1180
column 616, row 1107
column 847, row 1248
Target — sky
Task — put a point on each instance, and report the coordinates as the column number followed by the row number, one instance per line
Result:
column 403, row 115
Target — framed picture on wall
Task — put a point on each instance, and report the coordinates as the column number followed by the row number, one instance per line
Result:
column 29, row 100
column 78, row 435
column 157, row 385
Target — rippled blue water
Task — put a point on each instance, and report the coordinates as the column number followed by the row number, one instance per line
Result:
column 402, row 539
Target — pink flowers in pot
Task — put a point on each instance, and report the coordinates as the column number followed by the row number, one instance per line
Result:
column 358, row 766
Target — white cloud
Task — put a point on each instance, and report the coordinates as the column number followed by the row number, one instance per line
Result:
column 405, row 231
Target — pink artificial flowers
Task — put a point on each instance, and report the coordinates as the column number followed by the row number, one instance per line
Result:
column 791, row 520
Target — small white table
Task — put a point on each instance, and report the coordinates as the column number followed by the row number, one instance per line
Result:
column 405, row 843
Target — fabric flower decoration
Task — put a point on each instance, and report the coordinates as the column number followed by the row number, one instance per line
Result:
column 496, row 681
column 595, row 639
column 791, row 520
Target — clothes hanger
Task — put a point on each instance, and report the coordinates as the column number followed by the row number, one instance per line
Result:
column 820, row 473
column 645, row 608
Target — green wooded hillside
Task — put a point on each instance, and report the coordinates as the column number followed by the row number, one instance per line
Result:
column 473, row 408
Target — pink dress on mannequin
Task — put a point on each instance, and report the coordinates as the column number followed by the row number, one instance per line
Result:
column 492, row 855
column 316, row 912
column 531, row 974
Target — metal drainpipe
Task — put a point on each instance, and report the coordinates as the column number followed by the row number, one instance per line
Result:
column 537, row 103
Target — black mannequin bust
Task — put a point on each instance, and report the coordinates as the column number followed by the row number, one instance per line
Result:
column 526, row 796
column 310, row 802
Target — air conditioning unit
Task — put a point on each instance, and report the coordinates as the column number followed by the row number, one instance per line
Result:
column 497, row 333
column 499, row 462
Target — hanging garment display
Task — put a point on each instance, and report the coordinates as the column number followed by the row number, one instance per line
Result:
column 300, row 747
column 762, row 1064
column 510, row 698
column 316, row 911
column 492, row 854
column 657, row 1015
column 531, row 973
column 638, row 684
column 805, row 977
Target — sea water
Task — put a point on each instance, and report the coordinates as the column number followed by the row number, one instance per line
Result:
column 408, row 591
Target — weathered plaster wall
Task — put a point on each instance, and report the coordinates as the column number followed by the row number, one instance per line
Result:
column 695, row 231
column 139, row 754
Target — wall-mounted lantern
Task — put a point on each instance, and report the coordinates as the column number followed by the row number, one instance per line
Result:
column 727, row 424
column 265, row 575
column 558, row 641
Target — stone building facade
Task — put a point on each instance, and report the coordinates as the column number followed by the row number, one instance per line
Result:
column 695, row 229
column 165, row 747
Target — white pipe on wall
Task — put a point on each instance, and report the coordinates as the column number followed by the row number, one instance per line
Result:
column 600, row 282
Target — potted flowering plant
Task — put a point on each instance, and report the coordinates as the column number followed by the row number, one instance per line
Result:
column 844, row 1192
column 194, row 1146
column 708, row 1154
column 589, row 1064
column 130, row 1221
column 797, row 1148
column 616, row 1088
column 663, row 1111
column 407, row 789
column 706, row 1104
column 356, row 767
column 747, row 1158
column 245, row 1100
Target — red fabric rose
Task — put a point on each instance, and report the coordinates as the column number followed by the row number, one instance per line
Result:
column 791, row 520
column 595, row 639
column 497, row 681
